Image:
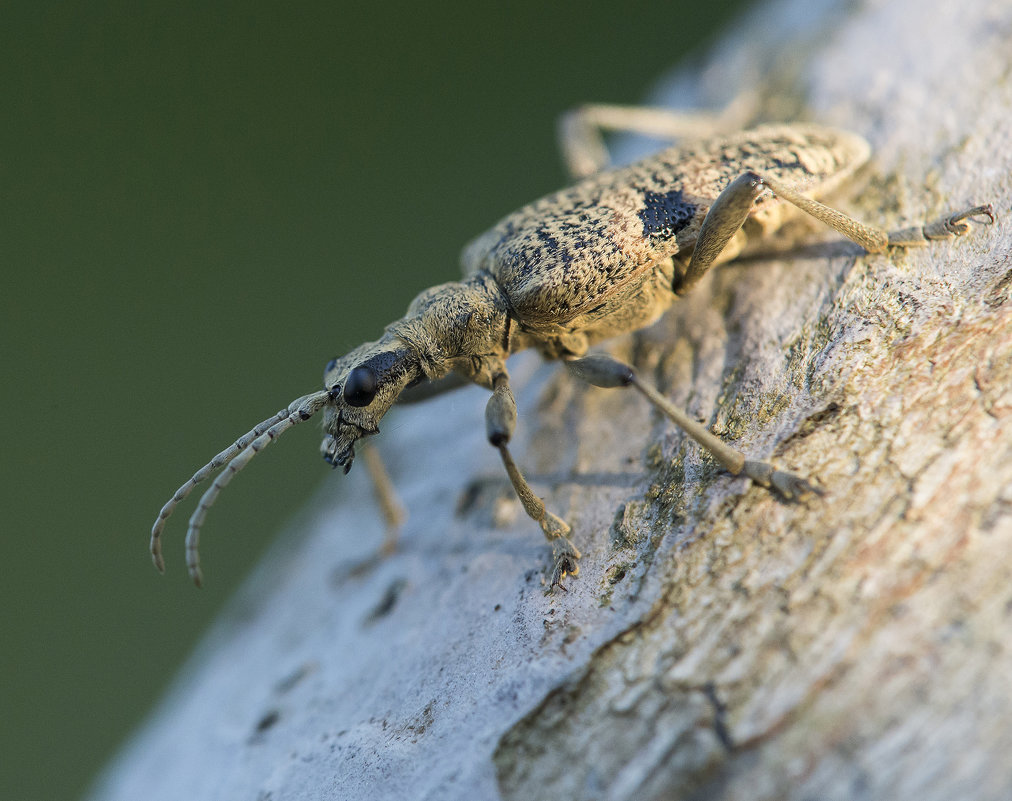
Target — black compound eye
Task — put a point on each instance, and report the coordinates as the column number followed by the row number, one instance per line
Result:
column 360, row 388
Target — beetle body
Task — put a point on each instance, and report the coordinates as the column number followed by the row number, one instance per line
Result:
column 571, row 261
column 606, row 256
column 580, row 265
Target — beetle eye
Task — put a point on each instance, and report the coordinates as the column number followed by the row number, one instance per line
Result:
column 360, row 388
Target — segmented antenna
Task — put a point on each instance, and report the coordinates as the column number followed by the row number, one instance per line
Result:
column 235, row 457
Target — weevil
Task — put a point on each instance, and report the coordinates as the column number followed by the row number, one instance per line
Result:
column 606, row 256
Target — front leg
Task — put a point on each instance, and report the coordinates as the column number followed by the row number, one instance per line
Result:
column 500, row 422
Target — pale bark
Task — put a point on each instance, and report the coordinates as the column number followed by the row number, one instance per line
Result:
column 718, row 642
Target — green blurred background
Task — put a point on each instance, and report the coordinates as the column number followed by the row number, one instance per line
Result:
column 201, row 204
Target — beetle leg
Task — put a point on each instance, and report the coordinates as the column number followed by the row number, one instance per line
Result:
column 731, row 208
column 386, row 498
column 500, row 422
column 875, row 240
column 950, row 227
column 723, row 220
column 604, row 371
column 583, row 148
column 383, row 489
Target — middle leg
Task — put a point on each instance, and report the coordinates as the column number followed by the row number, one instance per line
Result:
column 604, row 371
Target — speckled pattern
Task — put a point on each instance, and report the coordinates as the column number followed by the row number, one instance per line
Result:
column 568, row 252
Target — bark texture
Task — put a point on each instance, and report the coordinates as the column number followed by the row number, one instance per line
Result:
column 718, row 643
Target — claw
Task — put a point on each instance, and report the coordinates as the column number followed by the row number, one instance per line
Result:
column 790, row 486
column 987, row 210
column 566, row 556
column 959, row 223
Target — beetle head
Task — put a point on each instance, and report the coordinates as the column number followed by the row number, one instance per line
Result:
column 445, row 324
column 362, row 387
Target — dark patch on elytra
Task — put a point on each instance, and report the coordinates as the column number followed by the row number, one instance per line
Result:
column 664, row 214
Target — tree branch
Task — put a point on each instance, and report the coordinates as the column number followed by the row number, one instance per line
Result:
column 718, row 643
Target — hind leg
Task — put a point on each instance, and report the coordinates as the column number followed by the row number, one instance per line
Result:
column 732, row 206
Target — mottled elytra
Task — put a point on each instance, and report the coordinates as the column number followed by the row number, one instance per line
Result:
column 603, row 257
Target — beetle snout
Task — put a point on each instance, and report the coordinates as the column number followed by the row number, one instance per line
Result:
column 335, row 455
